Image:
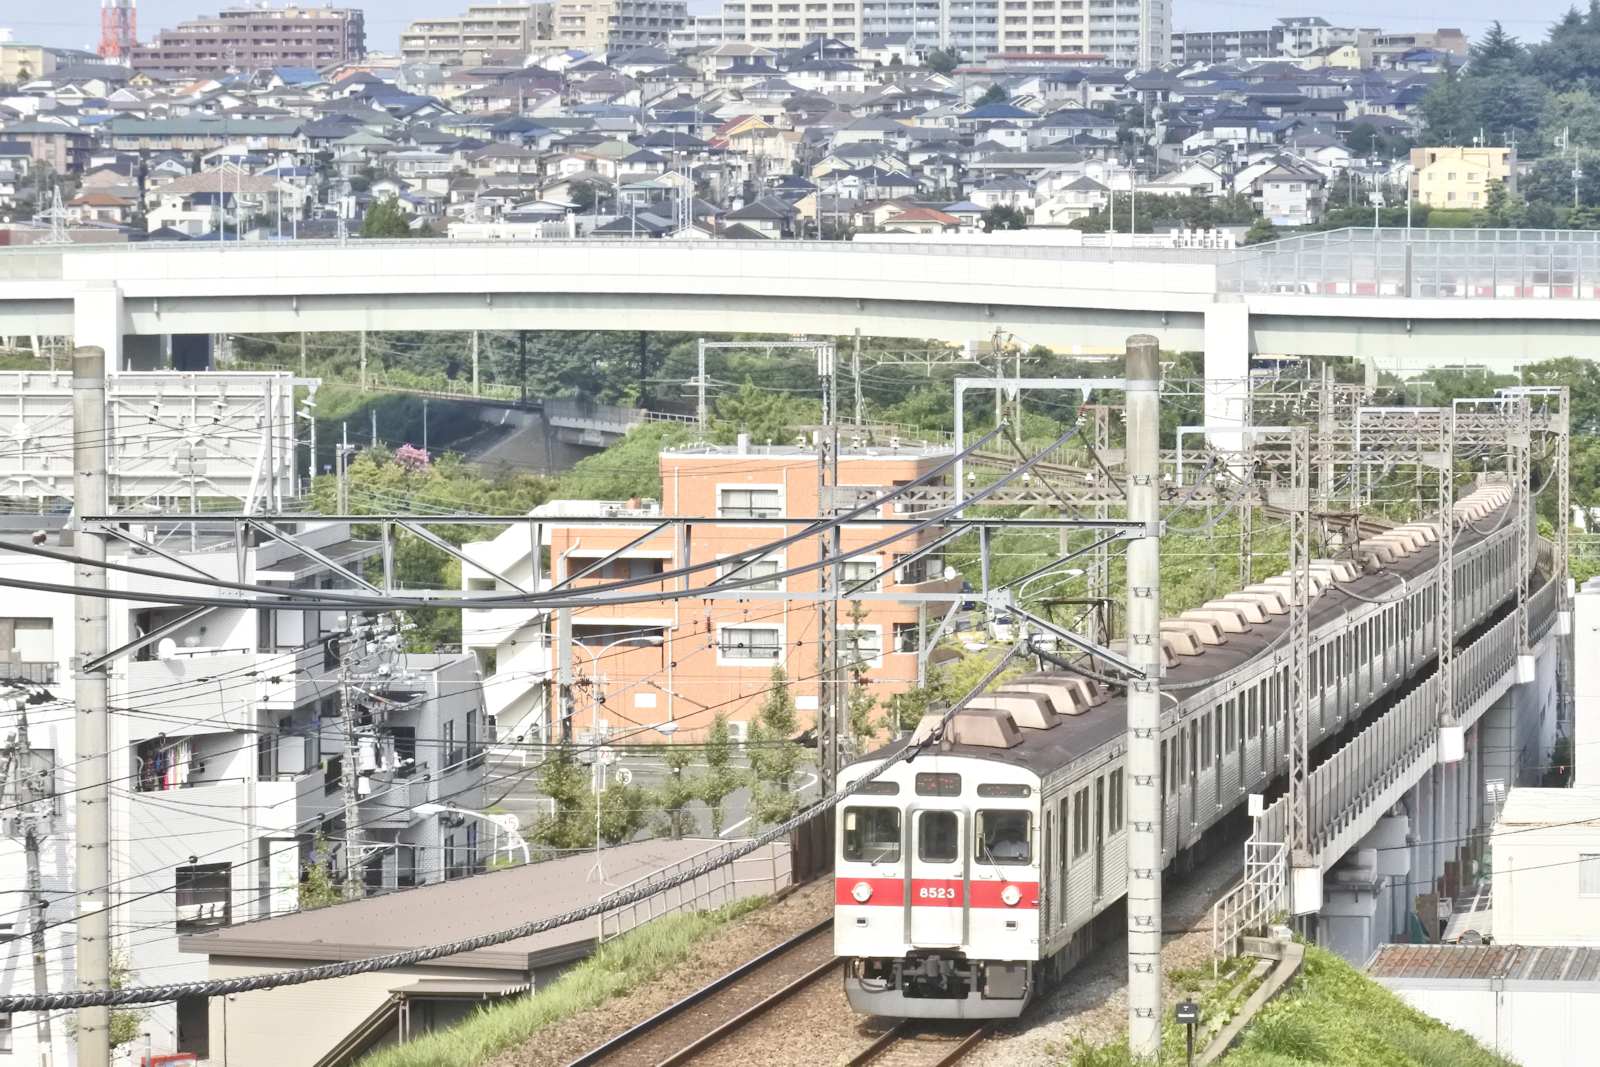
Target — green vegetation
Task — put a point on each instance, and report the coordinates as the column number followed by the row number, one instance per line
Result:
column 774, row 757
column 1332, row 1014
column 386, row 219
column 317, row 888
column 630, row 962
column 1545, row 98
column 721, row 778
column 1157, row 213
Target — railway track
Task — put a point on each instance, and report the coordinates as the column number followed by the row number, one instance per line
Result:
column 688, row 1030
column 912, row 1043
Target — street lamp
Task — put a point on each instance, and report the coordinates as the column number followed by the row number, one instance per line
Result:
column 648, row 640
column 665, row 729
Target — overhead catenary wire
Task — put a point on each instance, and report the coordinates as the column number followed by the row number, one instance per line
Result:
column 43, row 1001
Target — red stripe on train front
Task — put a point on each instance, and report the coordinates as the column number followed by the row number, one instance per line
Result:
column 932, row 893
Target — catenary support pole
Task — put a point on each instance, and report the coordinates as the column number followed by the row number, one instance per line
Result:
column 476, row 388
column 1144, row 700
column 92, row 639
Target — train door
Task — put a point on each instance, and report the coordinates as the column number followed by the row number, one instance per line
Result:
column 938, row 883
column 1047, row 899
column 1192, row 774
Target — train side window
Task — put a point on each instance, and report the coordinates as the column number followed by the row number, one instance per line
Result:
column 1080, row 822
column 872, row 835
column 1164, row 746
column 1253, row 714
column 1116, row 797
column 1230, row 736
column 1064, row 822
column 938, row 839
column 1005, row 836
column 1205, row 741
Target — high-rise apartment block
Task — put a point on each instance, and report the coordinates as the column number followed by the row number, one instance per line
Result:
column 1134, row 33
column 485, row 31
column 617, row 25
column 246, row 37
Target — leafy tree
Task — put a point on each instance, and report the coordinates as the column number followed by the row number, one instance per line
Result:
column 1261, row 230
column 774, row 756
column 629, row 468
column 566, row 781
column 316, row 877
column 676, row 793
column 942, row 61
column 1576, row 113
column 767, row 416
column 860, row 703
column 583, row 196
column 720, row 778
column 386, row 219
column 1497, row 48
column 1447, row 110
column 995, row 94
column 127, row 1025
column 1502, row 209
column 1004, row 217
column 624, row 811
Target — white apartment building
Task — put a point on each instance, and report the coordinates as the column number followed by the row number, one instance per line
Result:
column 227, row 749
column 1135, row 33
column 614, row 26
column 483, row 31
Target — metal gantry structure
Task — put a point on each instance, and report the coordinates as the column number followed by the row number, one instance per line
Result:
column 1293, row 470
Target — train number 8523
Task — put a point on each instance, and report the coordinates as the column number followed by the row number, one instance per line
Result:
column 937, row 892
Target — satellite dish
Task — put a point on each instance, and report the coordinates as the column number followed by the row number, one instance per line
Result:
column 166, row 648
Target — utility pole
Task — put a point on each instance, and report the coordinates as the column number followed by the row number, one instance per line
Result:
column 32, row 824
column 364, row 370
column 349, row 780
column 424, row 424
column 700, row 390
column 475, row 386
column 1445, row 691
column 302, row 353
column 1305, row 872
column 1100, row 560
column 341, row 466
column 828, row 703
column 522, row 363
column 92, row 638
column 1144, row 698
column 855, row 374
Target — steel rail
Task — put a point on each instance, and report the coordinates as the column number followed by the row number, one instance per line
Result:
column 672, row 1011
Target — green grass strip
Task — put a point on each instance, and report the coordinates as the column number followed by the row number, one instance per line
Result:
column 618, row 967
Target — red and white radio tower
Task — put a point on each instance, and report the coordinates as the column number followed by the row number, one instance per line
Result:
column 119, row 29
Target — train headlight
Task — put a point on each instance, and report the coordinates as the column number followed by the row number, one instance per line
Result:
column 861, row 892
column 1011, row 896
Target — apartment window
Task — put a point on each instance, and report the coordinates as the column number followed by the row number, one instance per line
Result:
column 860, row 645
column 203, row 896
column 763, row 569
column 1589, row 874
column 451, row 870
column 447, row 744
column 922, row 569
column 472, row 735
column 749, row 503
column 332, row 772
column 907, row 637
column 1080, row 822
column 857, row 571
column 749, row 642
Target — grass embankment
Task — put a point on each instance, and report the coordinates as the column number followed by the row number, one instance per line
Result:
column 1331, row 1014
column 620, row 966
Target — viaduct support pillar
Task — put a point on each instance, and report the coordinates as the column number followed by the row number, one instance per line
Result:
column 100, row 321
column 1227, row 362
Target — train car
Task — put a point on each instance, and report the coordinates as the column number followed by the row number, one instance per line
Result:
column 984, row 867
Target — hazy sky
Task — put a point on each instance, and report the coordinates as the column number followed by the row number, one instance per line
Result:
column 75, row 23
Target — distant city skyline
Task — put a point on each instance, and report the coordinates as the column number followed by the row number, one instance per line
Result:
column 76, row 23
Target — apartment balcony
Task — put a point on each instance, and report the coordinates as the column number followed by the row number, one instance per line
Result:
column 198, row 682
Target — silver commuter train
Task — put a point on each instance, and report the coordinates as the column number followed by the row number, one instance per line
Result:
column 987, row 866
